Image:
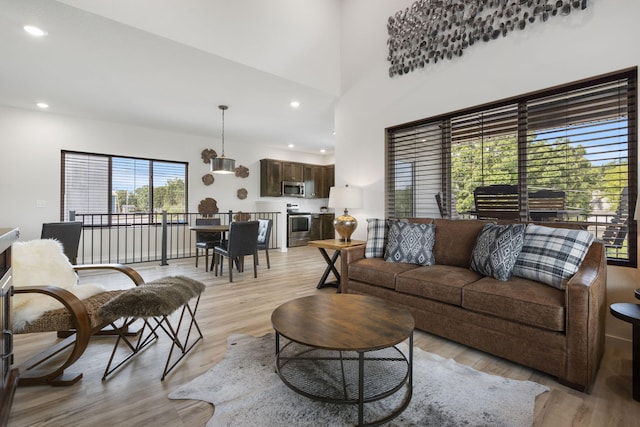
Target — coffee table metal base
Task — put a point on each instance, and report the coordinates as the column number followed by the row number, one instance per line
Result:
column 348, row 377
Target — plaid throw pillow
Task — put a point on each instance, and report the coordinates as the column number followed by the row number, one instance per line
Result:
column 376, row 238
column 497, row 249
column 552, row 255
column 411, row 243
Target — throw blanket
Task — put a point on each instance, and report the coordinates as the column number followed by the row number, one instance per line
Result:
column 42, row 263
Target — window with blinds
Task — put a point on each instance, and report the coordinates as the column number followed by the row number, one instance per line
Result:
column 103, row 186
column 565, row 154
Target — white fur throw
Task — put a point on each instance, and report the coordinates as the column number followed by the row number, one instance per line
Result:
column 42, row 263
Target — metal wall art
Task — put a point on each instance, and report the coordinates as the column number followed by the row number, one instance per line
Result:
column 208, row 179
column 431, row 30
column 208, row 154
column 242, row 171
column 207, row 207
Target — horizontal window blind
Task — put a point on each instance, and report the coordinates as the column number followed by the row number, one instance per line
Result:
column 568, row 153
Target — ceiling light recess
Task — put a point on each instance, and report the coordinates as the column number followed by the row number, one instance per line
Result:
column 35, row 31
column 42, row 105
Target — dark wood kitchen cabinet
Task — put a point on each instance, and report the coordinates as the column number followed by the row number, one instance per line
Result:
column 313, row 175
column 318, row 179
column 293, row 172
column 9, row 377
column 270, row 178
column 328, row 231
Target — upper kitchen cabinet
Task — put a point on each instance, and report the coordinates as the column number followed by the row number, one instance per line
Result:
column 317, row 178
column 270, row 178
column 313, row 176
column 329, row 180
column 293, row 172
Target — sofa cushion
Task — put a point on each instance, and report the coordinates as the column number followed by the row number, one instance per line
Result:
column 438, row 282
column 455, row 240
column 519, row 300
column 376, row 238
column 551, row 255
column 410, row 243
column 497, row 249
column 377, row 271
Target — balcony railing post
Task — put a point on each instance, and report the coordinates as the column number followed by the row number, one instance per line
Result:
column 164, row 239
column 72, row 216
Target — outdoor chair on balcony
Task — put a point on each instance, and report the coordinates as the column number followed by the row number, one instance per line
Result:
column 615, row 233
column 497, row 202
column 547, row 205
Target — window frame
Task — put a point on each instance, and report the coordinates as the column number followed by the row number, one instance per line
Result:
column 138, row 218
column 395, row 134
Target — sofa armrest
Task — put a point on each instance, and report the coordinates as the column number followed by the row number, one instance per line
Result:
column 585, row 302
column 348, row 256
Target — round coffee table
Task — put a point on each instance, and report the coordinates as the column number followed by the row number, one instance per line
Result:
column 342, row 348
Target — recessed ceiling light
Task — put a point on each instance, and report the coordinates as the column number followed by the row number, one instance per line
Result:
column 42, row 105
column 323, row 150
column 294, row 104
column 35, row 31
column 291, row 145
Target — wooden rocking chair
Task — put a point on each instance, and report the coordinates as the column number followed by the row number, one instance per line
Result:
column 80, row 316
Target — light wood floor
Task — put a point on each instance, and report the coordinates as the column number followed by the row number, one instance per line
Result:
column 135, row 396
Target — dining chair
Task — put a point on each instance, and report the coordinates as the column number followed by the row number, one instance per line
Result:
column 264, row 237
column 206, row 240
column 242, row 240
column 67, row 233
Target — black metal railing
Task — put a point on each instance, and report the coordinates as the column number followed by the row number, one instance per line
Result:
column 142, row 237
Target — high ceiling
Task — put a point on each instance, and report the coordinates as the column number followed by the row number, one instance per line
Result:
column 123, row 66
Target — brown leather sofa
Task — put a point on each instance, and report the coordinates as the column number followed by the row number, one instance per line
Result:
column 559, row 332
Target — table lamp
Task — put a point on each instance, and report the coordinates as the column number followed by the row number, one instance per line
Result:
column 345, row 197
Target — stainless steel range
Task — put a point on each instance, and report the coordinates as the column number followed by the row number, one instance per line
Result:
column 298, row 226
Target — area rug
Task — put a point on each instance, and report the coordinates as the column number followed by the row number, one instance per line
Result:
column 246, row 391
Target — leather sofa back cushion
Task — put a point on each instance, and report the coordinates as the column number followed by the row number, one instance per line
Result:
column 455, row 240
column 519, row 300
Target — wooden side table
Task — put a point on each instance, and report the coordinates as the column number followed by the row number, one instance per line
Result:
column 631, row 313
column 337, row 246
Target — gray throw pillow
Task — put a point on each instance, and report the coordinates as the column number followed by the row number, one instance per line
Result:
column 496, row 250
column 552, row 255
column 410, row 243
column 376, row 238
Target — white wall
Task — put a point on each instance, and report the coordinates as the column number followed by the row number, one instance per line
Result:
column 294, row 39
column 30, row 163
column 598, row 40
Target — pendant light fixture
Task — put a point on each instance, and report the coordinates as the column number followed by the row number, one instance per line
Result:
column 222, row 164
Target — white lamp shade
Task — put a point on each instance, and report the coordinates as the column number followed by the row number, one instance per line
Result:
column 345, row 197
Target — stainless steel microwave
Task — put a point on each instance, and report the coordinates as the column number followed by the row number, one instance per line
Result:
column 293, row 189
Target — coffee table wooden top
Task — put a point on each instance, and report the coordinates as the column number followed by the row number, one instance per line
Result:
column 343, row 322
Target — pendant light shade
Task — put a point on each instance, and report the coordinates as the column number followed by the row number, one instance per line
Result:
column 222, row 164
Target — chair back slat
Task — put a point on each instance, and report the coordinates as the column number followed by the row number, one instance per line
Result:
column 497, row 201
